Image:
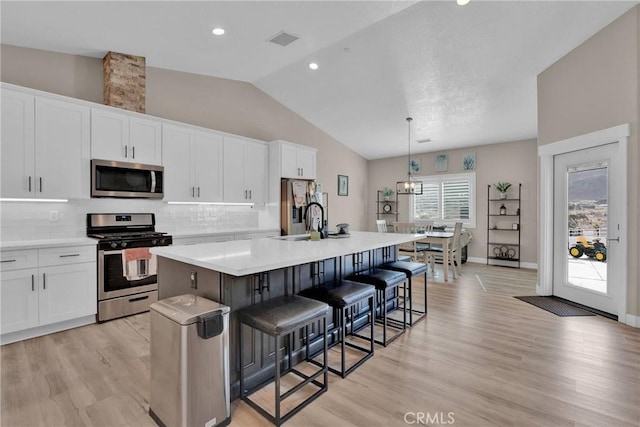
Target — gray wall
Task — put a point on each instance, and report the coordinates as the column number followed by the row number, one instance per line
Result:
column 597, row 86
column 221, row 104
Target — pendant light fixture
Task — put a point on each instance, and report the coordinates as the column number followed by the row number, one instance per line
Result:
column 409, row 186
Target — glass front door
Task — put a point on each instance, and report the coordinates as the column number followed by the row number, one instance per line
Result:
column 585, row 222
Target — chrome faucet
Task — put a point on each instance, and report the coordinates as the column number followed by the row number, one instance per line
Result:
column 322, row 229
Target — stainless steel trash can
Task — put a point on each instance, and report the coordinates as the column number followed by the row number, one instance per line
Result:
column 190, row 362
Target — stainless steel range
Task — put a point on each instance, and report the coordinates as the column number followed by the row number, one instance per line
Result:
column 127, row 276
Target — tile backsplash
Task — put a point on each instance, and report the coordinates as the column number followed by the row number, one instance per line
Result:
column 39, row 220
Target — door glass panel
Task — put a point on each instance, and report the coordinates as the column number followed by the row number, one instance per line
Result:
column 587, row 198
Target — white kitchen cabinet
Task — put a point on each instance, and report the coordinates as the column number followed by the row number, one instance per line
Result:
column 19, row 302
column 66, row 292
column 193, row 164
column 43, row 287
column 293, row 160
column 245, row 170
column 18, row 144
column 45, row 147
column 122, row 137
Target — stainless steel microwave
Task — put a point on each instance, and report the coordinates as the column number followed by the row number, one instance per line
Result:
column 128, row 180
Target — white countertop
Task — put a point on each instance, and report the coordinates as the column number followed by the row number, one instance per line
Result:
column 47, row 243
column 243, row 257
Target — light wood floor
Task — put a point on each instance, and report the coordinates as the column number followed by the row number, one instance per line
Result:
column 481, row 358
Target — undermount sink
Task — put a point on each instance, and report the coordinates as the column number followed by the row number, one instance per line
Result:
column 295, row 237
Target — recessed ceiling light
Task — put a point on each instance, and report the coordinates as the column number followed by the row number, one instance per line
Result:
column 462, row 2
column 218, row 31
column 313, row 65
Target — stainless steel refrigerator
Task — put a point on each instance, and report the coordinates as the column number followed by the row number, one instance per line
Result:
column 295, row 196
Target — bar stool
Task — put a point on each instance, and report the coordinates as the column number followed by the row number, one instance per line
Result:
column 343, row 297
column 411, row 270
column 384, row 280
column 280, row 317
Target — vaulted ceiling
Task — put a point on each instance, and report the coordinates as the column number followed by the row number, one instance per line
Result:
column 466, row 74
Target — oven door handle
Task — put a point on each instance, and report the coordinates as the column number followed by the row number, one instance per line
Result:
column 103, row 252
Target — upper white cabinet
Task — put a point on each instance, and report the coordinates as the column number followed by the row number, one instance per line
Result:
column 245, row 170
column 293, row 160
column 193, row 164
column 45, row 147
column 123, row 137
column 18, row 144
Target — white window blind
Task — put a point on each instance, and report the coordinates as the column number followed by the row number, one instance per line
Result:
column 446, row 199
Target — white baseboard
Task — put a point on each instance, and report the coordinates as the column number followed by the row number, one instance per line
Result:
column 531, row 265
column 46, row 329
column 632, row 320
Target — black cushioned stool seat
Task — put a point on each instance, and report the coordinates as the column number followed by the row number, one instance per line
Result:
column 411, row 270
column 384, row 280
column 343, row 297
column 279, row 317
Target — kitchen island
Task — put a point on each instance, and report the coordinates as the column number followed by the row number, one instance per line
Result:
column 242, row 273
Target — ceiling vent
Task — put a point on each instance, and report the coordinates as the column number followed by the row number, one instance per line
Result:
column 283, row 38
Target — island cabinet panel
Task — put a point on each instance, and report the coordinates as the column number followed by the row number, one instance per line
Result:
column 177, row 278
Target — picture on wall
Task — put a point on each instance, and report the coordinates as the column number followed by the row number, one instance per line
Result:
column 469, row 161
column 343, row 185
column 415, row 165
column 441, row 163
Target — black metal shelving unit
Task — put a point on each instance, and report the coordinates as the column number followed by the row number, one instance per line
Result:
column 393, row 213
column 503, row 230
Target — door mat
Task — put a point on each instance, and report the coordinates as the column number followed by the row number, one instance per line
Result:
column 556, row 305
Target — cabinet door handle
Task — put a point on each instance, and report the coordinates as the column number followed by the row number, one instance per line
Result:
column 198, row 191
column 69, row 255
column 250, row 195
column 44, row 281
column 193, row 191
column 41, row 184
column 33, row 283
column 133, row 152
column 125, row 151
column 29, row 184
column 8, row 260
column 245, row 194
column 301, row 171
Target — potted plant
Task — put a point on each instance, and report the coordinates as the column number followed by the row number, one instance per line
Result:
column 387, row 193
column 502, row 188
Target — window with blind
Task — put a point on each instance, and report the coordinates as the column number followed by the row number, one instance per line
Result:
column 446, row 199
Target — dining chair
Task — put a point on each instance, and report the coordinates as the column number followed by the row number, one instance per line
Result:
column 382, row 225
column 409, row 248
column 454, row 252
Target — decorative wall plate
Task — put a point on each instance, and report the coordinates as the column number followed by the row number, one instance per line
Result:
column 386, row 208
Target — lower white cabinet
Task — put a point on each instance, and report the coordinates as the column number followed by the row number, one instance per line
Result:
column 19, row 300
column 42, row 287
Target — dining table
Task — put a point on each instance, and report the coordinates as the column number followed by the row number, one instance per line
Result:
column 444, row 238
